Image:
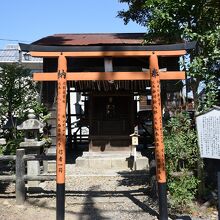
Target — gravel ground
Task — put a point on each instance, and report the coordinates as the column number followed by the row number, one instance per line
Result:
column 90, row 195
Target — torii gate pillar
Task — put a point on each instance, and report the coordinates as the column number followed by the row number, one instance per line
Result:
column 158, row 136
column 61, row 137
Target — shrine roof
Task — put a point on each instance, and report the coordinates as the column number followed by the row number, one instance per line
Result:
column 103, row 42
column 92, row 39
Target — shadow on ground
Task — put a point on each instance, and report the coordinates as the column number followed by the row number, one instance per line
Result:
column 134, row 178
column 89, row 204
column 90, row 196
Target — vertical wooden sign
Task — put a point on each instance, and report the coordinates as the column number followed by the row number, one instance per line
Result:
column 158, row 136
column 61, row 136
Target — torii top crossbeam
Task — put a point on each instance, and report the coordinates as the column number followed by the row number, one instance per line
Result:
column 89, row 49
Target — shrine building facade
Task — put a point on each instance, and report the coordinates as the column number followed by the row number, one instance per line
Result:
column 108, row 83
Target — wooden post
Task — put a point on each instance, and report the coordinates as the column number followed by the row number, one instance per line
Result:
column 61, row 137
column 158, row 135
column 20, row 172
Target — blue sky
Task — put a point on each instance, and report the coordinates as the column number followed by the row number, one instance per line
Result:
column 29, row 20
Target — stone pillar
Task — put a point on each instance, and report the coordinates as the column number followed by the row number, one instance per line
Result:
column 33, row 169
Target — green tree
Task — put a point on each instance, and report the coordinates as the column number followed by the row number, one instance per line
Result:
column 18, row 94
column 172, row 21
column 169, row 21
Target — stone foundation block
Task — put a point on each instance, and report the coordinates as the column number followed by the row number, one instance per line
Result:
column 142, row 163
column 82, row 162
column 100, row 163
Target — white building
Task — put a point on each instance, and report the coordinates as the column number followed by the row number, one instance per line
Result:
column 12, row 54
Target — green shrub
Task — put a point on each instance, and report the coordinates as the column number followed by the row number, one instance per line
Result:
column 182, row 157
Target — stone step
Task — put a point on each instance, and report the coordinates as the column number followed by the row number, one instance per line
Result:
column 119, row 163
column 111, row 154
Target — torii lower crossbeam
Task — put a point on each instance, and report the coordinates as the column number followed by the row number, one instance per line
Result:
column 82, row 76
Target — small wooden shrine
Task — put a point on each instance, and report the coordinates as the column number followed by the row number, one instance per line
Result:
column 109, row 70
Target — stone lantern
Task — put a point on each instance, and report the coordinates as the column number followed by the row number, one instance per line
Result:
column 31, row 128
column 32, row 144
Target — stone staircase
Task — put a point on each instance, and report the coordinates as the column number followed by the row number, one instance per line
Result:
column 112, row 160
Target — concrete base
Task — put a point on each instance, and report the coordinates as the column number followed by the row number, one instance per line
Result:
column 111, row 160
column 142, row 163
column 33, row 168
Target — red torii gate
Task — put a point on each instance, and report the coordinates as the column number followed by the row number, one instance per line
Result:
column 154, row 75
